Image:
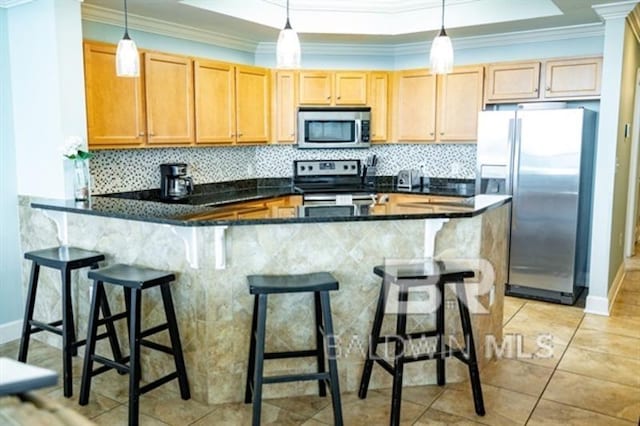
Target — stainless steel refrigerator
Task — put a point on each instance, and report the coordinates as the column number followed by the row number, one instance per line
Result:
column 543, row 157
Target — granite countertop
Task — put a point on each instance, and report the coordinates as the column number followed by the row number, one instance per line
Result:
column 242, row 196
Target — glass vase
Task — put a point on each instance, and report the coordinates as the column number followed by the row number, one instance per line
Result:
column 81, row 180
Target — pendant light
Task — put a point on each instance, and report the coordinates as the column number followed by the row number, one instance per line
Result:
column 288, row 48
column 127, row 58
column 442, row 51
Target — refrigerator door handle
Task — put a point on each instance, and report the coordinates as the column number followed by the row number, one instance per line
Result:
column 510, row 146
column 515, row 169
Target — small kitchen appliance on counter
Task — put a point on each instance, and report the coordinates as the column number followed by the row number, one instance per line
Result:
column 409, row 179
column 175, row 185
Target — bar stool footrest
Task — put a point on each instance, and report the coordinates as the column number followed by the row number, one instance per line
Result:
column 39, row 326
column 111, row 363
column 291, row 354
column 153, row 330
column 156, row 346
column 296, row 378
column 161, row 381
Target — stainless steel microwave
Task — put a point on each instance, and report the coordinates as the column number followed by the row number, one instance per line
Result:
column 334, row 127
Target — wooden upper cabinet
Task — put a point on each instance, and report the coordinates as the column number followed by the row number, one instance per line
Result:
column 215, row 97
column 571, row 78
column 285, row 103
column 379, row 101
column 169, row 96
column 513, row 81
column 253, row 103
column 459, row 101
column 316, row 87
column 415, row 105
column 115, row 105
column 350, row 88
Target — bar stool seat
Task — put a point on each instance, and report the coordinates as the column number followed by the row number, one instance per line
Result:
column 134, row 280
column 406, row 276
column 64, row 259
column 318, row 283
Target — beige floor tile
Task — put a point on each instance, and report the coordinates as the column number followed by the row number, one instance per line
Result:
column 98, row 404
column 511, row 306
column 626, row 326
column 120, row 416
column 553, row 413
column 613, row 368
column 438, row 418
column 503, row 407
column 621, row 309
column 517, row 376
column 538, row 318
column 422, row 395
column 374, row 410
column 632, row 284
column 631, row 297
column 608, row 398
column 240, row 414
column 615, row 344
column 313, row 422
column 112, row 385
column 164, row 404
column 306, row 406
column 542, row 349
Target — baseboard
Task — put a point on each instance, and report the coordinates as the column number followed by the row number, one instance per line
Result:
column 10, row 331
column 602, row 305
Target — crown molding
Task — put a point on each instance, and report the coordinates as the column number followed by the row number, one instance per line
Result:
column 364, row 6
column 11, row 3
column 634, row 22
column 156, row 26
column 614, row 10
column 504, row 39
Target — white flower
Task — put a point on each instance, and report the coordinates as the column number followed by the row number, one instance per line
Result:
column 72, row 147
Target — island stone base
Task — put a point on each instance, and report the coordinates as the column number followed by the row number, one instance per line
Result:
column 214, row 306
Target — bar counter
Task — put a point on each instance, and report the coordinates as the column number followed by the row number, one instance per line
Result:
column 212, row 254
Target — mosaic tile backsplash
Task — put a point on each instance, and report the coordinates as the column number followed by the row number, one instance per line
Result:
column 136, row 169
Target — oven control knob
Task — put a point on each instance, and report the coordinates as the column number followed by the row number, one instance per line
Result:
column 353, row 167
column 346, row 167
column 310, row 167
column 302, row 167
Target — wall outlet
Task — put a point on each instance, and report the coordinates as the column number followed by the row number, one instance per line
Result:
column 492, row 295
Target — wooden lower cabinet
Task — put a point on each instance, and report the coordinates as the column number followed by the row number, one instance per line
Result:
column 169, row 99
column 115, row 105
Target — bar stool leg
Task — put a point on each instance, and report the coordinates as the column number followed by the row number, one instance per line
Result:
column 28, row 312
column 398, row 367
column 87, row 370
column 176, row 345
column 68, row 333
column 134, row 360
column 251, row 363
column 322, row 386
column 474, row 374
column 440, row 311
column 329, row 340
column 373, row 343
column 259, row 364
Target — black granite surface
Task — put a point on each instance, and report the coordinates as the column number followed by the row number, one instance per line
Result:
column 231, row 196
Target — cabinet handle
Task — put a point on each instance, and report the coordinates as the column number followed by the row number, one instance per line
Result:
column 239, row 134
column 141, row 134
column 339, row 97
column 232, row 135
column 431, row 134
column 151, row 134
column 549, row 88
column 441, row 133
column 535, row 90
column 292, row 134
column 328, row 97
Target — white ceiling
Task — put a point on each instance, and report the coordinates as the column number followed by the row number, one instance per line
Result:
column 361, row 21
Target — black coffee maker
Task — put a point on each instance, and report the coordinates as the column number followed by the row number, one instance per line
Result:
column 175, row 185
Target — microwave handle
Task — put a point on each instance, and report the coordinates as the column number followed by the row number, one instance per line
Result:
column 358, row 130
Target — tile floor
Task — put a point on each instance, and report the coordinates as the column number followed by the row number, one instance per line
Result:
column 592, row 378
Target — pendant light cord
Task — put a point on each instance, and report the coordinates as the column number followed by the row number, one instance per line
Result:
column 442, row 31
column 287, row 26
column 126, row 23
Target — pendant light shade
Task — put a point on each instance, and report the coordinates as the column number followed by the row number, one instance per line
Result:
column 441, row 56
column 127, row 58
column 288, row 47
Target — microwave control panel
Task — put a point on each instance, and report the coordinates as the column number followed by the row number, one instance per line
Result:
column 327, row 168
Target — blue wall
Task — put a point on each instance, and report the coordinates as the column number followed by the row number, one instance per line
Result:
column 11, row 304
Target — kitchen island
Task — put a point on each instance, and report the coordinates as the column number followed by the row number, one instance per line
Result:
column 213, row 247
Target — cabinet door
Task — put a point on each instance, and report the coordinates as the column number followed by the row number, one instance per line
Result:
column 169, row 90
column 513, row 81
column 573, row 78
column 459, row 101
column 415, row 112
column 215, row 102
column 315, row 88
column 350, row 88
column 253, row 103
column 115, row 105
column 379, row 101
column 286, row 103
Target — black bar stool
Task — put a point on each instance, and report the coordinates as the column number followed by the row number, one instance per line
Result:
column 412, row 275
column 133, row 280
column 65, row 259
column 320, row 284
